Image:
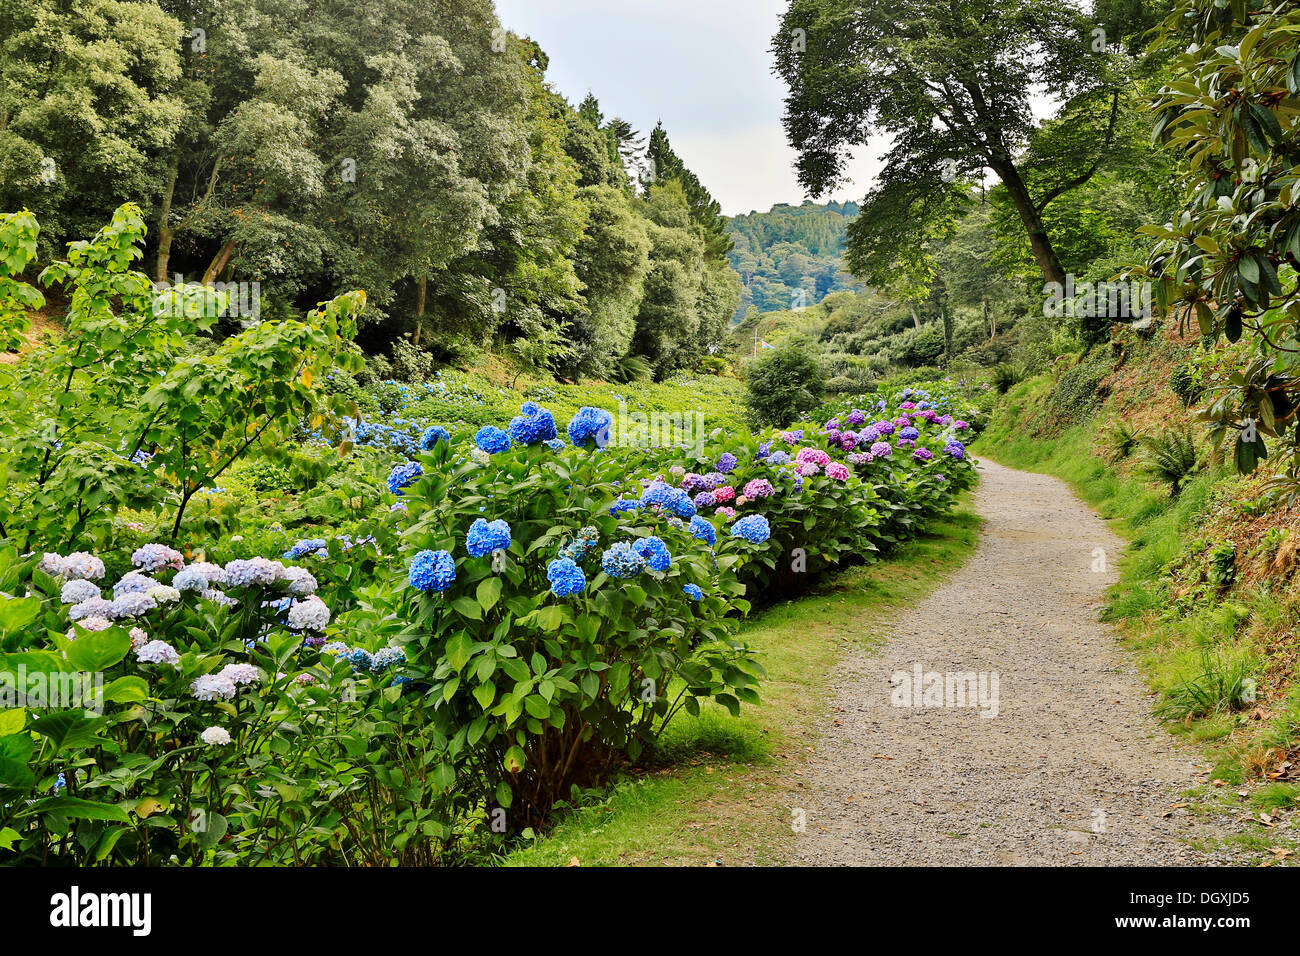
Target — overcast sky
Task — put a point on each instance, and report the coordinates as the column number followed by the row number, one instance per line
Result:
column 702, row 66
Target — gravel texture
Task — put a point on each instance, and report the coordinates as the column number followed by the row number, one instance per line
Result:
column 1073, row 769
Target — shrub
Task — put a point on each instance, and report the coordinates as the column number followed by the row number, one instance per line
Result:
column 1122, row 440
column 1170, row 457
column 783, row 385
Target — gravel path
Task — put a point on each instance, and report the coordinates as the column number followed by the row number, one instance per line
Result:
column 1071, row 770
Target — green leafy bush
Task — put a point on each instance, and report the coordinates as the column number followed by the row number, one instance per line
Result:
column 784, row 385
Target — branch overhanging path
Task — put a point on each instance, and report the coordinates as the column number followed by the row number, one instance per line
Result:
column 1072, row 770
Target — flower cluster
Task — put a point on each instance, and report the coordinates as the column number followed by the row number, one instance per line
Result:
column 487, row 536
column 535, row 424
column 432, row 571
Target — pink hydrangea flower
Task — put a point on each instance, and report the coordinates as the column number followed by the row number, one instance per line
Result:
column 813, row 456
column 725, row 493
column 728, row 513
column 759, row 488
column 808, row 468
column 837, row 471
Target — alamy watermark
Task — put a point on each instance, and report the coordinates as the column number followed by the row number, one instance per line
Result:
column 191, row 300
column 922, row 688
column 1118, row 301
column 655, row 429
column 61, row 690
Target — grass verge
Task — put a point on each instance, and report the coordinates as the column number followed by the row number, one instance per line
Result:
column 716, row 794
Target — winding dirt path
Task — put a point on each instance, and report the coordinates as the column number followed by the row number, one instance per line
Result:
column 1071, row 770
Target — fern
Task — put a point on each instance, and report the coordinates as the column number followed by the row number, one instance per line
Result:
column 631, row 368
column 1171, row 457
column 1122, row 440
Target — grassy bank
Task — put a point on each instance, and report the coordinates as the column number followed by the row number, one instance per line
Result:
column 717, row 793
column 1215, row 641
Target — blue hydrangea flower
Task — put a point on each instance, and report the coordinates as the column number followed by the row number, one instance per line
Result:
column 726, row 463
column 778, row 458
column 624, row 504
column 536, row 424
column 752, row 528
column 432, row 435
column 487, row 536
column 307, row 546
column 703, row 529
column 655, row 553
column 582, row 542
column 432, row 571
column 404, row 475
column 590, row 423
column 555, row 444
column 693, row 592
column 387, row 657
column 491, row 439
column 622, row 561
column 566, row 577
column 909, row 433
column 955, row 448
column 764, row 449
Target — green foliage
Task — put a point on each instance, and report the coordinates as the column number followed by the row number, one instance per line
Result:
column 114, row 410
column 1122, row 441
column 1170, row 457
column 790, row 250
column 1007, row 375
column 783, row 385
column 1229, row 258
column 1223, row 683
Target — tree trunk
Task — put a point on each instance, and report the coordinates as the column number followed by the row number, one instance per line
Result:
column 1041, row 245
column 947, row 334
column 165, row 233
column 990, row 322
column 219, row 262
column 421, row 292
column 916, row 319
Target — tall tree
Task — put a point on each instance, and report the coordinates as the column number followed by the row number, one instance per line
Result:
column 706, row 212
column 950, row 82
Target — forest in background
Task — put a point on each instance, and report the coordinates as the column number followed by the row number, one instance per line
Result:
column 411, row 149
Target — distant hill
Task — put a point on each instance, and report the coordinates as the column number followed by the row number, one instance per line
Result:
column 790, row 250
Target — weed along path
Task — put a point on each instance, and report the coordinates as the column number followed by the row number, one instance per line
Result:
column 1000, row 722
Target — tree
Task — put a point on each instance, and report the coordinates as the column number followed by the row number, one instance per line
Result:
column 88, row 105
column 784, row 385
column 950, row 82
column 705, row 211
column 1231, row 257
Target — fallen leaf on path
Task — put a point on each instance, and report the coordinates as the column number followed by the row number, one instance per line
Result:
column 881, row 757
column 574, row 861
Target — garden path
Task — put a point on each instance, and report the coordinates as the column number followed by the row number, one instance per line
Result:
column 1073, row 769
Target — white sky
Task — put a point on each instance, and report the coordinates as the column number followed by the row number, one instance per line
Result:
column 702, row 66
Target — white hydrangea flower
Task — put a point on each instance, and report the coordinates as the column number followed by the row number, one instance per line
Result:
column 78, row 590
column 301, row 581
column 162, row 594
column 240, row 674
column 214, row 573
column 158, row 652
column 52, row 563
column 92, row 607
column 215, row 737
column 83, row 566
column 132, row 604
column 213, row 686
column 133, row 582
column 90, row 624
column 309, row 615
column 138, row 638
